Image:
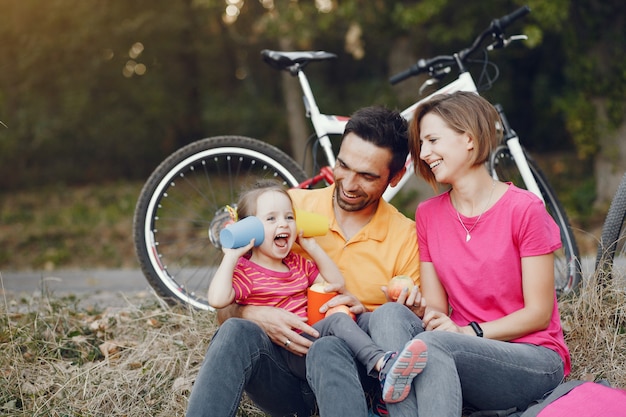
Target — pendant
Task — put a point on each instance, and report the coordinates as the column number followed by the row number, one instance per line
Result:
column 467, row 237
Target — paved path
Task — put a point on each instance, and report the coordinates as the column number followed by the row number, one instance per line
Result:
column 101, row 287
column 98, row 287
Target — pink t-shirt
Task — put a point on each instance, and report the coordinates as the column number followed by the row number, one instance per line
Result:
column 259, row 286
column 482, row 277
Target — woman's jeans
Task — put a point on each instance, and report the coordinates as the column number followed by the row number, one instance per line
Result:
column 480, row 373
column 241, row 357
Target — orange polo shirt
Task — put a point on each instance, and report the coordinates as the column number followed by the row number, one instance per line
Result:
column 382, row 249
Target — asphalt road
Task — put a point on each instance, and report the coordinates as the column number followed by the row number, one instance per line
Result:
column 105, row 288
column 101, row 287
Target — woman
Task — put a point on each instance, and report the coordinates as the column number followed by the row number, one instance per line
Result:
column 487, row 270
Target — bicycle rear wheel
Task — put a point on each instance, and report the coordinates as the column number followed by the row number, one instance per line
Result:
column 613, row 238
column 182, row 208
column 567, row 271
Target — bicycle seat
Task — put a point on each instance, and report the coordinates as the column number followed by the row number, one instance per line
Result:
column 283, row 60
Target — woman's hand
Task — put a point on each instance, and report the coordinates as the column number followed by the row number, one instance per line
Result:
column 436, row 320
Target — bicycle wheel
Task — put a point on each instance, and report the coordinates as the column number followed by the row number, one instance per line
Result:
column 567, row 272
column 182, row 208
column 613, row 234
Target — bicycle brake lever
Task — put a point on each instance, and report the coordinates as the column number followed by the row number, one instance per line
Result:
column 426, row 84
column 503, row 43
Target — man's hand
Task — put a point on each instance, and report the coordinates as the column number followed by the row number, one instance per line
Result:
column 280, row 326
column 412, row 299
column 343, row 298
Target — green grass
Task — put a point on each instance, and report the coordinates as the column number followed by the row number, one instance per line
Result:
column 62, row 227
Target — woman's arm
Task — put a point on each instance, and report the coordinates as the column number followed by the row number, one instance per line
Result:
column 538, row 292
column 432, row 290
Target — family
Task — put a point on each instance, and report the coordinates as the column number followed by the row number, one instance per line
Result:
column 479, row 330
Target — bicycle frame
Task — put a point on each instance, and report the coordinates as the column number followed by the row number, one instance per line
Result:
column 325, row 125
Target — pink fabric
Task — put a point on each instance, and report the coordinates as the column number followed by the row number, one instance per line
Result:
column 256, row 285
column 588, row 400
column 482, row 277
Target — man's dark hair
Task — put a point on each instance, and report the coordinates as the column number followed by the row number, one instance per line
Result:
column 384, row 128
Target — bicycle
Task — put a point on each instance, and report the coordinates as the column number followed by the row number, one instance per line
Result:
column 613, row 236
column 182, row 206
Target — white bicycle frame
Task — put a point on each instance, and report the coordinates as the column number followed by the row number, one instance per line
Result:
column 326, row 125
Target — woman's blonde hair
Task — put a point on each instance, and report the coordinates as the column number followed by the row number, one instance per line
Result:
column 463, row 112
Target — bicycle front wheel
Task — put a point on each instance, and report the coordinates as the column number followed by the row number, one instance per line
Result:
column 567, row 270
column 182, row 208
column 613, row 238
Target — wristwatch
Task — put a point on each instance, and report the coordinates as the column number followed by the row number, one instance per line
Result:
column 477, row 329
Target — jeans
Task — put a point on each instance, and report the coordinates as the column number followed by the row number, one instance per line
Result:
column 346, row 329
column 480, row 373
column 242, row 358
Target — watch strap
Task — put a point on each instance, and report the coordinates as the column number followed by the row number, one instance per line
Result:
column 476, row 327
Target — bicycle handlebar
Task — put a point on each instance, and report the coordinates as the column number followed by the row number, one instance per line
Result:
column 496, row 28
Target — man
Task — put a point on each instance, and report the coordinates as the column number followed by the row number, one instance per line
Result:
column 371, row 242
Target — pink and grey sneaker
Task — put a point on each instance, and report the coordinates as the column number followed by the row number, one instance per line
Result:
column 399, row 369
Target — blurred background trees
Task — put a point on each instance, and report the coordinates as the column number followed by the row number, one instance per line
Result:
column 94, row 91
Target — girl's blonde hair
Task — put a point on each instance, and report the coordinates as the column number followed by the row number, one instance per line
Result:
column 246, row 206
column 463, row 112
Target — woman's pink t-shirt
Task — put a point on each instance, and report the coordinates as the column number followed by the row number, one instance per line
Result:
column 483, row 277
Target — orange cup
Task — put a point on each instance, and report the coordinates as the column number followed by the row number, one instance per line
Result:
column 311, row 224
column 316, row 298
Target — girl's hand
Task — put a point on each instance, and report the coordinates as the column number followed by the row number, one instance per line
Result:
column 307, row 243
column 238, row 252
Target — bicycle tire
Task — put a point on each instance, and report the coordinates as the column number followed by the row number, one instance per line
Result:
column 567, row 270
column 613, row 234
column 182, row 207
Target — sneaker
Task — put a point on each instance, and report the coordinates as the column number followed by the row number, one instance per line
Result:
column 399, row 369
column 379, row 408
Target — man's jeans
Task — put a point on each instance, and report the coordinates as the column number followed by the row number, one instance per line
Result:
column 242, row 357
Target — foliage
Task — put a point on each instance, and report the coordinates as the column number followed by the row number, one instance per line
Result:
column 595, row 72
column 94, row 91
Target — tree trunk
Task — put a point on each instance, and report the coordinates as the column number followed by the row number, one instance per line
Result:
column 297, row 123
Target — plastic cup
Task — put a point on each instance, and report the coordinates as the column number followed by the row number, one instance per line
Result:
column 240, row 233
column 311, row 224
column 316, row 299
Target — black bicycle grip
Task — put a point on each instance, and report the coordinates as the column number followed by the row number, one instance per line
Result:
column 504, row 21
column 395, row 79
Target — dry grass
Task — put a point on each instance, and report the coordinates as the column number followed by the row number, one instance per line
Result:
column 57, row 359
column 595, row 330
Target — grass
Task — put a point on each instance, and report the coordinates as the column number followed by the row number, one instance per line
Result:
column 59, row 358
column 63, row 227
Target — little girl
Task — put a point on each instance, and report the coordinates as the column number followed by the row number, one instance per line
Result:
column 272, row 275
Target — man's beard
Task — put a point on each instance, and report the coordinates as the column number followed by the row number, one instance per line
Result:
column 347, row 206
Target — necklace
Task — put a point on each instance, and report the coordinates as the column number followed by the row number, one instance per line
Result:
column 468, row 235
